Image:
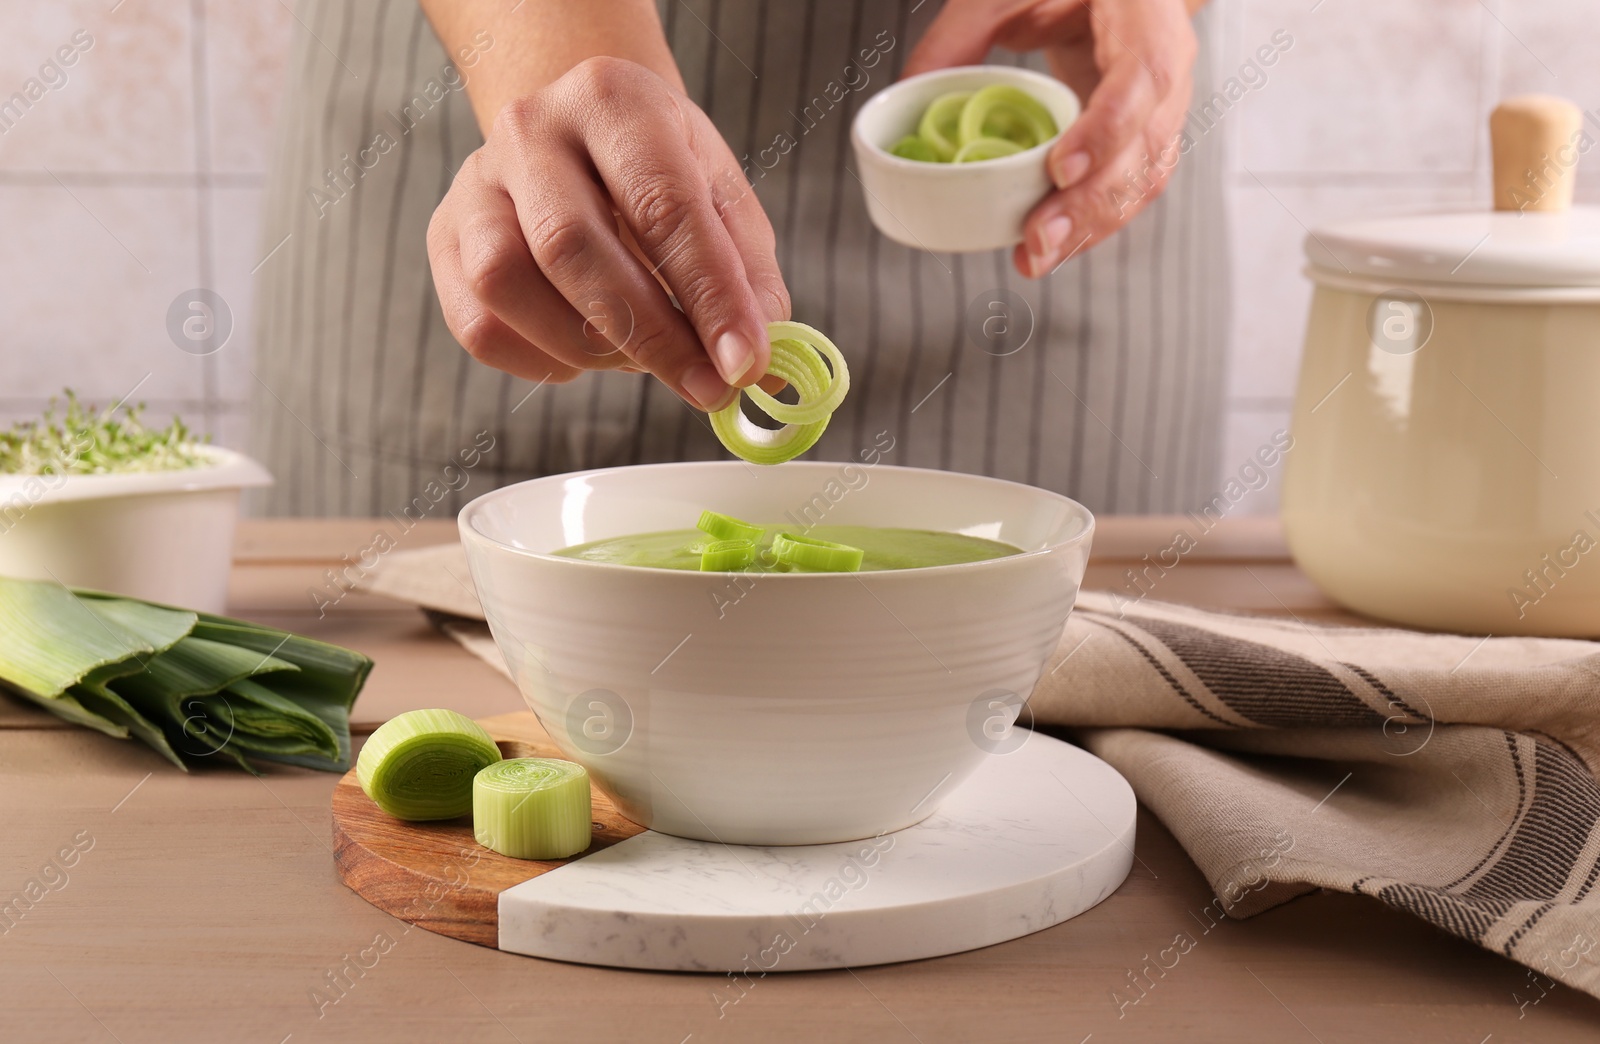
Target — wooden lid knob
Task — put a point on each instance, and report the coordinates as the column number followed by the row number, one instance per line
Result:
column 1535, row 141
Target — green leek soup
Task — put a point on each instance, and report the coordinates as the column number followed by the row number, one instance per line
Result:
column 882, row 548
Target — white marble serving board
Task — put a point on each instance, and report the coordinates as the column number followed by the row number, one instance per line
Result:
column 1032, row 838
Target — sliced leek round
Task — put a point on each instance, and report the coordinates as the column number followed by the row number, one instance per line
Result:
column 420, row 765
column 532, row 808
column 1020, row 116
column 979, row 149
column 726, row 527
column 941, row 124
column 973, row 126
column 914, row 147
column 810, row 555
column 725, row 556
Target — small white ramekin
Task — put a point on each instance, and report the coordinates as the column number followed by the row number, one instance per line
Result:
column 163, row 536
column 952, row 207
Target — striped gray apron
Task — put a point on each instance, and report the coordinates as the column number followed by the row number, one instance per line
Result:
column 365, row 405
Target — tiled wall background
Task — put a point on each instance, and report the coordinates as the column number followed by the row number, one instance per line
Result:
column 139, row 175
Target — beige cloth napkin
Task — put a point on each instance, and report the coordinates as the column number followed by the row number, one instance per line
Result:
column 1450, row 777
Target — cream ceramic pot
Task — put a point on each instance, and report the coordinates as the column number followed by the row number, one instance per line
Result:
column 1446, row 462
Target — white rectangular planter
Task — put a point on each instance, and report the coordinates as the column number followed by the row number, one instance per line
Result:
column 163, row 536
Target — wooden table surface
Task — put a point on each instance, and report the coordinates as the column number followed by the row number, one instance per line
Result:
column 206, row 907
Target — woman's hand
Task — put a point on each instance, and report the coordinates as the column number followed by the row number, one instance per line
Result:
column 551, row 248
column 1130, row 59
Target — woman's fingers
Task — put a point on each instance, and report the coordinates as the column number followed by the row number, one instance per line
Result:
column 484, row 336
column 474, row 326
column 1065, row 224
column 734, row 199
column 567, row 222
column 637, row 131
column 961, row 34
column 500, row 272
column 536, row 276
column 1118, row 156
column 1117, row 114
column 1071, row 221
column 1144, row 51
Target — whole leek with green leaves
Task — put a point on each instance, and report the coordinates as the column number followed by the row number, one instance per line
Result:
column 191, row 685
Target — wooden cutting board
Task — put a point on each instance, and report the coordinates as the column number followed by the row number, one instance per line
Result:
column 959, row 880
column 436, row 875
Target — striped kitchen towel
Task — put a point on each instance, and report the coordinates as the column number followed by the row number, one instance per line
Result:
column 1450, row 777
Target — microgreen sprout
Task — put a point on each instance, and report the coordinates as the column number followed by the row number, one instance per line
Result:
column 84, row 440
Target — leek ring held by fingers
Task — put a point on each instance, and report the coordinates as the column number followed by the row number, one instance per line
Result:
column 816, row 369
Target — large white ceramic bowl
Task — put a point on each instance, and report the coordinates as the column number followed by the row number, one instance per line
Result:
column 952, row 207
column 164, row 536
column 778, row 709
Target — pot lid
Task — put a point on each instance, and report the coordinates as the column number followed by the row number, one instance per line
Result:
column 1533, row 237
column 1493, row 248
